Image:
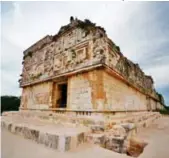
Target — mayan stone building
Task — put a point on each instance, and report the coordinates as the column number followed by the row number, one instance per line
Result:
column 80, row 69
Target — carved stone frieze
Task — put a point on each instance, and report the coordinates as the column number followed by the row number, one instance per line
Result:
column 99, row 48
column 113, row 58
column 57, row 62
column 81, row 55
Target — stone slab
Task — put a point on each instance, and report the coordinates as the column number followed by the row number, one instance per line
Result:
column 56, row 138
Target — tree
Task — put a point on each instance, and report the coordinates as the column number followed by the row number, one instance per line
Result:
column 10, row 103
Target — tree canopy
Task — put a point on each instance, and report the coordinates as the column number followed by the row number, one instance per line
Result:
column 10, row 103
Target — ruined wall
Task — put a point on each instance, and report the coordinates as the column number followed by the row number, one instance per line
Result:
column 120, row 96
column 37, row 96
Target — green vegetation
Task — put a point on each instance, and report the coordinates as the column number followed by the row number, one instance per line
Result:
column 36, row 76
column 10, row 103
column 161, row 98
column 116, row 48
column 73, row 53
column 87, row 24
column 28, row 54
column 165, row 111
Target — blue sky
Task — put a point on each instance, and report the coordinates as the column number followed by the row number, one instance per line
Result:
column 141, row 29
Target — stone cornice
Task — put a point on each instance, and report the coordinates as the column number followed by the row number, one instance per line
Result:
column 70, row 73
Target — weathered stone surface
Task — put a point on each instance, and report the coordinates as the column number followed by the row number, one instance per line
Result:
column 80, row 138
column 136, row 147
column 48, row 139
column 114, row 143
column 117, row 131
column 128, row 126
column 56, row 140
column 97, row 128
column 118, row 137
column 67, row 143
column 98, row 139
column 97, row 75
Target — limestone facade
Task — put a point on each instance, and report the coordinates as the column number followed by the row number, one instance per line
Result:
column 80, row 68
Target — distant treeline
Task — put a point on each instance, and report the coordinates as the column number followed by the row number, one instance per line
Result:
column 165, row 110
column 10, row 103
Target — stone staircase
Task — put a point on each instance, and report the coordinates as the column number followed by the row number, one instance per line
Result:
column 66, row 132
column 57, row 135
column 119, row 132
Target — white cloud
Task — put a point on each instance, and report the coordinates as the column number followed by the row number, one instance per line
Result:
column 160, row 75
column 131, row 25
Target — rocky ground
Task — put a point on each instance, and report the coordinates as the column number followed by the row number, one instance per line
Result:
column 157, row 137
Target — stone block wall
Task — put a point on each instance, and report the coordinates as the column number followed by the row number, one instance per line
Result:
column 92, row 90
column 85, row 91
column 37, row 96
column 153, row 104
column 98, row 90
column 120, row 96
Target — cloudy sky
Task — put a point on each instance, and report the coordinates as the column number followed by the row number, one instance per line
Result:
column 141, row 29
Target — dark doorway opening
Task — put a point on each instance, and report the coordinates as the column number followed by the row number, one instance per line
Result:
column 63, row 95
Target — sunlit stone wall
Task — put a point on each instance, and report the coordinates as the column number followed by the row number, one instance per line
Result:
column 37, row 96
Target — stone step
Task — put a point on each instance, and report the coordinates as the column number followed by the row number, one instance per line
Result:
column 64, row 132
column 86, row 121
column 60, row 138
column 52, row 117
column 133, row 119
column 115, row 138
column 146, row 123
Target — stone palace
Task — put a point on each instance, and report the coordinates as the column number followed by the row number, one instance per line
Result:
column 81, row 70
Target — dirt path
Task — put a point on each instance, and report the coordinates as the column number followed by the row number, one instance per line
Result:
column 158, row 138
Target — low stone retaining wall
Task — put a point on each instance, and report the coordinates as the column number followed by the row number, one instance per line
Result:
column 113, row 133
column 121, row 137
column 59, row 141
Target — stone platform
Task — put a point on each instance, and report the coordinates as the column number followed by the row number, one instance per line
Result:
column 62, row 137
column 64, row 133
